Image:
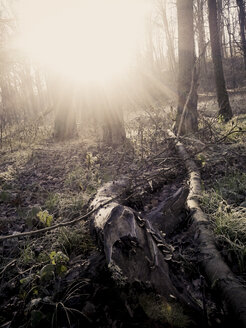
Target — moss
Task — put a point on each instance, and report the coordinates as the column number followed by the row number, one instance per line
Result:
column 158, row 309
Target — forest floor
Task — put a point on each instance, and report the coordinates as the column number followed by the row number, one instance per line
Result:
column 55, row 279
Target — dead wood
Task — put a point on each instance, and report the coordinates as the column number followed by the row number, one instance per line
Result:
column 135, row 250
column 231, row 291
column 168, row 215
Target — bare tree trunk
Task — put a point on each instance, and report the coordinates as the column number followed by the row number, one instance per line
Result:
column 201, row 35
column 221, row 27
column 149, row 44
column 113, row 127
column 242, row 22
column 186, row 65
column 65, row 120
column 170, row 45
column 229, row 31
column 222, row 96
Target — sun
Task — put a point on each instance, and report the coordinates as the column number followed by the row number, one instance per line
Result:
column 83, row 40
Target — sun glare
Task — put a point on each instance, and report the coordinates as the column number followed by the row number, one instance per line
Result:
column 85, row 40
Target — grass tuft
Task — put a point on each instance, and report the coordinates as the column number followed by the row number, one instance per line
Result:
column 229, row 222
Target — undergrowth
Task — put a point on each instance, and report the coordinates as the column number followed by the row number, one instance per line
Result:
column 226, row 205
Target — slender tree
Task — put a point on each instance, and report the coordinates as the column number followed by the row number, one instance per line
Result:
column 112, row 118
column 220, row 22
column 65, row 119
column 242, row 23
column 222, row 96
column 201, row 35
column 229, row 27
column 186, row 120
column 169, row 38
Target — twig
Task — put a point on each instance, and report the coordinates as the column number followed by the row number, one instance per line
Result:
column 8, row 265
column 216, row 142
column 65, row 224
column 229, row 133
column 88, row 214
column 59, row 225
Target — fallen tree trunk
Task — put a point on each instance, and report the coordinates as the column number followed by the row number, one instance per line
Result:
column 231, row 291
column 135, row 250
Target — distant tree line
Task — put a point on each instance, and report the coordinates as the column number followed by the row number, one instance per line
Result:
column 187, row 43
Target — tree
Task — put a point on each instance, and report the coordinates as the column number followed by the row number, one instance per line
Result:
column 112, row 118
column 105, row 106
column 201, row 35
column 221, row 31
column 65, row 119
column 186, row 120
column 169, row 38
column 242, row 23
column 222, row 96
column 230, row 30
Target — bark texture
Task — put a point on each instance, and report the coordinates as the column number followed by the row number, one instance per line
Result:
column 201, row 36
column 242, row 22
column 225, row 110
column 186, row 65
column 220, row 24
column 135, row 250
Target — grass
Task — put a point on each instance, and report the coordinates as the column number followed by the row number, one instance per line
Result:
column 75, row 241
column 225, row 198
column 229, row 221
column 70, row 199
column 66, row 204
column 43, row 263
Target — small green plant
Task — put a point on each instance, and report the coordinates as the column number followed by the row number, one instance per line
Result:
column 59, row 259
column 45, row 218
column 202, row 159
column 30, row 215
column 90, row 160
column 27, row 256
column 52, row 202
column 221, row 119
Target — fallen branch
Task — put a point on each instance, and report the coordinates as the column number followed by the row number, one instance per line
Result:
column 87, row 215
column 7, row 266
column 231, row 291
column 81, row 218
column 59, row 225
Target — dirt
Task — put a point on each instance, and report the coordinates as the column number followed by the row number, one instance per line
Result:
column 62, row 178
